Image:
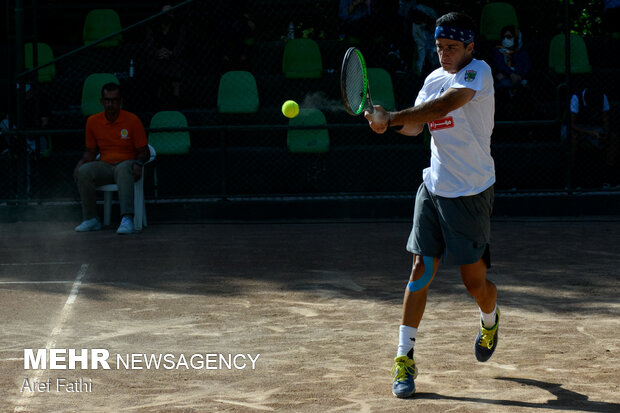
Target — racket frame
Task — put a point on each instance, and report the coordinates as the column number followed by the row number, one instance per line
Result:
column 355, row 53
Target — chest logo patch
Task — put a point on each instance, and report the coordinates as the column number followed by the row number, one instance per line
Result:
column 470, row 75
column 124, row 133
column 444, row 123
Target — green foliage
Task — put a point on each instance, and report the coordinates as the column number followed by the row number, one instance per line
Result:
column 586, row 17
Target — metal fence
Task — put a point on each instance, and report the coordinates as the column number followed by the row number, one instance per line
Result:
column 252, row 152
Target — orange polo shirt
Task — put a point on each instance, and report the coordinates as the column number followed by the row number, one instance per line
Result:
column 117, row 141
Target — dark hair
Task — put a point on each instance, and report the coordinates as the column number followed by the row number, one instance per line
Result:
column 457, row 19
column 510, row 28
column 111, row 87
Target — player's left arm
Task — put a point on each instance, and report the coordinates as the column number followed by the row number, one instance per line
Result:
column 433, row 109
column 412, row 120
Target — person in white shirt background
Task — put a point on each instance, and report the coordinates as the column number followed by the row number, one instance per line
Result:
column 590, row 125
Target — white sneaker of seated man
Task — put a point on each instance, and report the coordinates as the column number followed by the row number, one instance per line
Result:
column 92, row 224
column 126, row 226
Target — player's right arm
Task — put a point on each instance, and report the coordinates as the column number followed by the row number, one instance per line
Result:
column 413, row 119
column 379, row 122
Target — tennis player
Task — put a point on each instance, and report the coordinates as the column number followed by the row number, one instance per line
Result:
column 451, row 219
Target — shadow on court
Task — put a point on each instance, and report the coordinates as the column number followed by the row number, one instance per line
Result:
column 565, row 399
column 559, row 266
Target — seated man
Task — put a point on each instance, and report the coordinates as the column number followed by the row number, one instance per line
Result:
column 119, row 138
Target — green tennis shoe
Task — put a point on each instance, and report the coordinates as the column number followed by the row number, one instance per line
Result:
column 486, row 341
column 404, row 372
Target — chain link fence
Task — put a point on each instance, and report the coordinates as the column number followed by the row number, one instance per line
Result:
column 253, row 150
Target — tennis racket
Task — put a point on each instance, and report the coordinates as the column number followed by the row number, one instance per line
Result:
column 354, row 83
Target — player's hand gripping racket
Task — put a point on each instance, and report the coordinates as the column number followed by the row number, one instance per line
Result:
column 354, row 83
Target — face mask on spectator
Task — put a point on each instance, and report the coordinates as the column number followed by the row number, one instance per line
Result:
column 508, row 42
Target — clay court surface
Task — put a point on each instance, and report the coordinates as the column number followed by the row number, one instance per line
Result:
column 320, row 302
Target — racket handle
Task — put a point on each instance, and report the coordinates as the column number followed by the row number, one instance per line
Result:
column 369, row 106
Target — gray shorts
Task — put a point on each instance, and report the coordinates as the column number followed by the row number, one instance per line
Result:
column 457, row 230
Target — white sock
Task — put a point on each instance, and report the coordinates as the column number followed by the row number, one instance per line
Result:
column 406, row 340
column 488, row 320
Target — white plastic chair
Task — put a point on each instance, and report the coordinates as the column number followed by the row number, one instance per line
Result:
column 139, row 217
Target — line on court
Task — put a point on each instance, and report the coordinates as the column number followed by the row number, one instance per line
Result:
column 14, row 264
column 36, row 282
column 250, row 405
column 51, row 340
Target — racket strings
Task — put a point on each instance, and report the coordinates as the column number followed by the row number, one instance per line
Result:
column 355, row 84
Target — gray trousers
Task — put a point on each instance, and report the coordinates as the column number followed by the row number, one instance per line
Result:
column 97, row 173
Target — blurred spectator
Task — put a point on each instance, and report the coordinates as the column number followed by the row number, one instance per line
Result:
column 37, row 112
column 611, row 17
column 511, row 62
column 405, row 7
column 403, row 14
column 36, row 115
column 237, row 30
column 590, row 127
column 423, row 32
column 355, row 19
column 316, row 23
column 6, row 124
column 165, row 45
column 511, row 66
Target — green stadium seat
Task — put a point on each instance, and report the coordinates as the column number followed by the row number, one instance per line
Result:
column 91, row 92
column 579, row 61
column 308, row 140
column 494, row 17
column 168, row 143
column 100, row 23
column 44, row 55
column 302, row 59
column 381, row 88
column 173, row 142
column 237, row 93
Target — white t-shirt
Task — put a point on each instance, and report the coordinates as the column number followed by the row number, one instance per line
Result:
column 461, row 162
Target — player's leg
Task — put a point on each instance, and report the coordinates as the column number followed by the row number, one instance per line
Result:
column 478, row 286
column 414, row 302
column 466, row 225
column 416, row 292
column 485, row 294
column 425, row 241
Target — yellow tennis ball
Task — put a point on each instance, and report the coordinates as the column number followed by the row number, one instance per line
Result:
column 290, row 109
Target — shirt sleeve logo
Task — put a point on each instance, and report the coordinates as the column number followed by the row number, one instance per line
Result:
column 124, row 133
column 443, row 123
column 470, row 75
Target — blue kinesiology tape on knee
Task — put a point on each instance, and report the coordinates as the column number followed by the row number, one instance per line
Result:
column 426, row 277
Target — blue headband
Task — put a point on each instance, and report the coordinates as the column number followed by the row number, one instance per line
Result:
column 454, row 33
